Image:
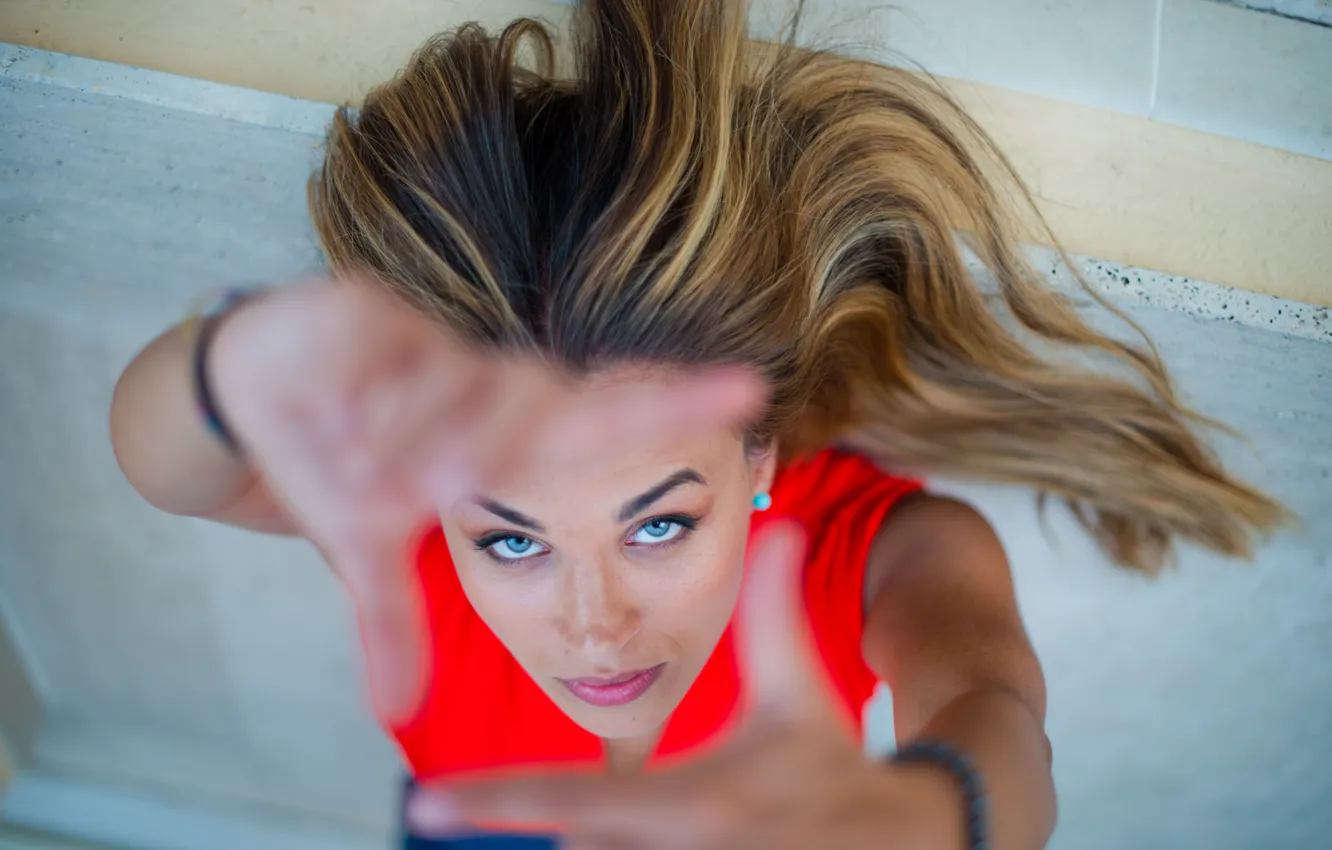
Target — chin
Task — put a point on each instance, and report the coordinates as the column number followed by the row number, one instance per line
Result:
column 638, row 718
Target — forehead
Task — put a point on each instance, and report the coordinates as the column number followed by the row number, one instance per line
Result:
column 628, row 467
column 629, row 464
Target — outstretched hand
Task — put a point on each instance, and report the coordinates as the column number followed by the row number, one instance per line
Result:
column 366, row 418
column 791, row 776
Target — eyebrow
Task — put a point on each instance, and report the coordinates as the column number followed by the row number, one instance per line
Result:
column 631, row 508
column 642, row 502
column 507, row 513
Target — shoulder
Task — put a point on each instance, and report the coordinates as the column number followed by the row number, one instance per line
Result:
column 924, row 521
column 934, row 534
column 941, row 615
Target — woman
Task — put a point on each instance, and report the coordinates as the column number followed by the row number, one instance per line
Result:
column 592, row 339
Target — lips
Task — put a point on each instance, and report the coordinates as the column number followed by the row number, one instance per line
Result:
column 615, row 690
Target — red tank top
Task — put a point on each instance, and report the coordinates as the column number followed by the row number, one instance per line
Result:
column 503, row 719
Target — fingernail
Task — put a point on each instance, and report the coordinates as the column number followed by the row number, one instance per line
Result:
column 434, row 812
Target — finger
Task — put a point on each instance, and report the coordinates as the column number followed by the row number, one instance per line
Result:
column 372, row 554
column 500, row 440
column 777, row 655
column 528, row 804
column 412, row 405
column 480, row 442
column 380, row 578
column 450, row 453
column 393, row 622
column 369, row 542
column 571, row 802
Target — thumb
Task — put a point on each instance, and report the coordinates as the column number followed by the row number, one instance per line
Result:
column 778, row 657
column 393, row 621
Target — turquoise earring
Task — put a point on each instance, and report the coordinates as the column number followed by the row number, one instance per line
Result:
column 762, row 502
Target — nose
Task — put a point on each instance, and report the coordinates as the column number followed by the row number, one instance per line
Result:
column 598, row 615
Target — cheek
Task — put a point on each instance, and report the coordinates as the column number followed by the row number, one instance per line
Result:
column 514, row 605
column 703, row 594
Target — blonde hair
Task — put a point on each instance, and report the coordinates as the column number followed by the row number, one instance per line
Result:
column 690, row 196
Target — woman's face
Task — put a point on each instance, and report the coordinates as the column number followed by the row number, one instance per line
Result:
column 612, row 581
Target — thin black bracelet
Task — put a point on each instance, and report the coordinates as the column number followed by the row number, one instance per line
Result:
column 203, row 388
column 961, row 768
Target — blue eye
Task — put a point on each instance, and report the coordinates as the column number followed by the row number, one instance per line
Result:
column 515, row 548
column 660, row 530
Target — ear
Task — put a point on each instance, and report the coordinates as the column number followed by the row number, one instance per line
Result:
column 763, row 466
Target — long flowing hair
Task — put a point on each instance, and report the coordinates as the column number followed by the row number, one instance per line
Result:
column 687, row 195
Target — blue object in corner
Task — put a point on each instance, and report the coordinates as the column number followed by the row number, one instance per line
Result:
column 481, row 841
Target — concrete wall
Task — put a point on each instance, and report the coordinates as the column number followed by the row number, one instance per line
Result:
column 1314, row 11
column 20, row 711
column 1179, row 135
column 148, row 637
column 184, row 667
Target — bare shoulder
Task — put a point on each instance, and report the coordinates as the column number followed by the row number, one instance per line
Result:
column 928, row 532
column 941, row 613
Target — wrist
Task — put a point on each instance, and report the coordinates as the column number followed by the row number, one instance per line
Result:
column 948, row 794
column 209, row 324
column 939, row 806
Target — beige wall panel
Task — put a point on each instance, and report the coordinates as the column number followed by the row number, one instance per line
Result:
column 1162, row 197
column 330, row 50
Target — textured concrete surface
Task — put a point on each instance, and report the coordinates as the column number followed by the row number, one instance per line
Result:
column 177, row 658
column 20, row 711
column 1240, row 73
column 15, row 838
column 1313, row 11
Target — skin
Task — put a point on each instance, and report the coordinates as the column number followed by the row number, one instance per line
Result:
column 594, row 593
column 357, row 447
column 791, row 777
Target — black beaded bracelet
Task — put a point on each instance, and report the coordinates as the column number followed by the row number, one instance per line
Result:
column 961, row 768
column 206, row 323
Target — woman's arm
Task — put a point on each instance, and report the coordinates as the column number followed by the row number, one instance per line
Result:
column 168, row 455
column 942, row 629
